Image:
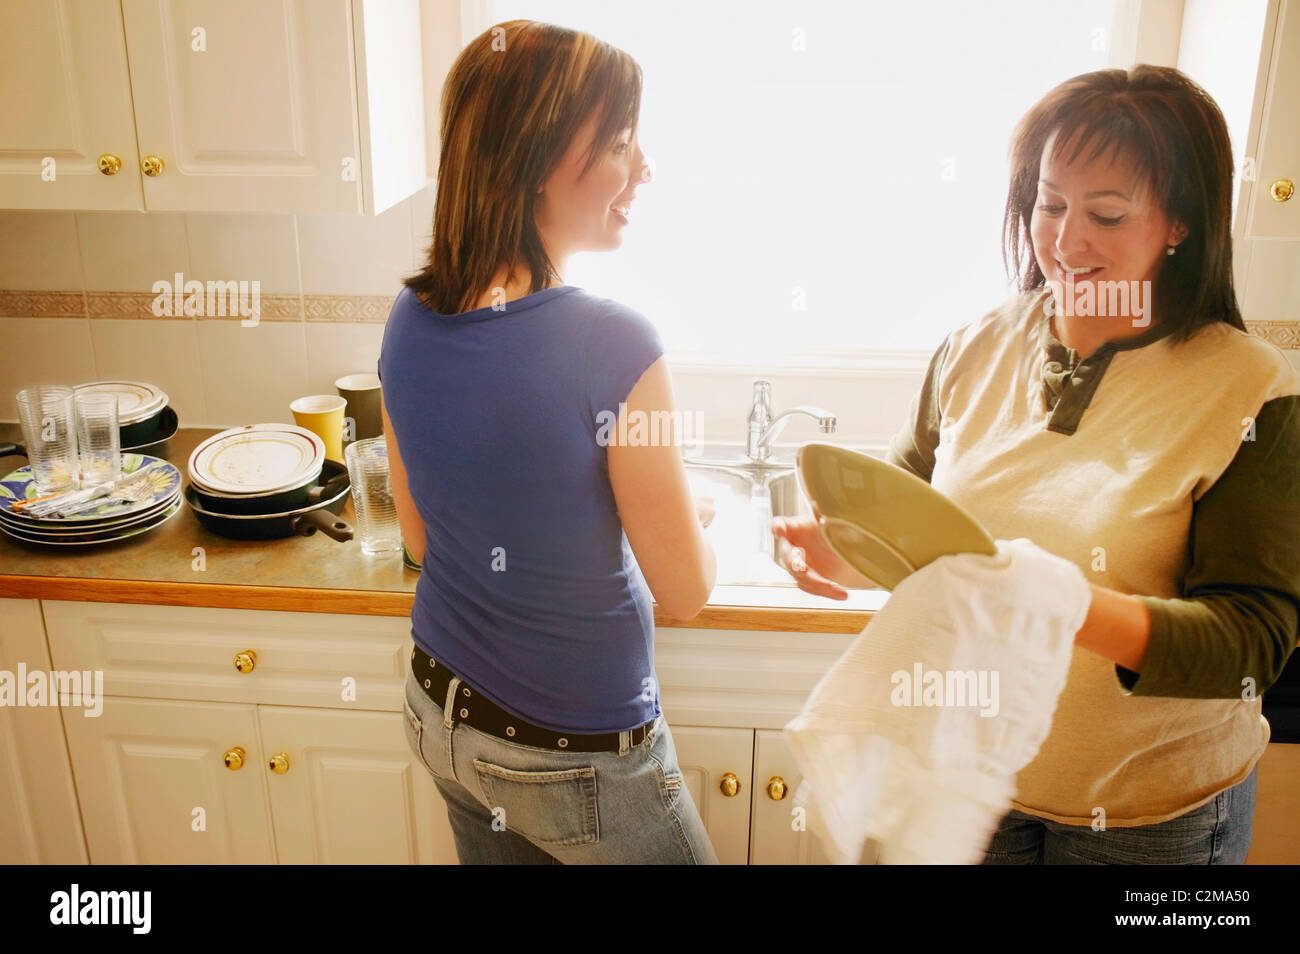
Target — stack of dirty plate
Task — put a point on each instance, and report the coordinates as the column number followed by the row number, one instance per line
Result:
column 104, row 520
column 144, row 417
column 263, row 481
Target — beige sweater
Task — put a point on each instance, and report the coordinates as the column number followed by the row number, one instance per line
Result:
column 1105, row 462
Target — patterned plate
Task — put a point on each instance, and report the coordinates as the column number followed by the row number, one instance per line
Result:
column 108, row 536
column 165, row 478
column 68, row 529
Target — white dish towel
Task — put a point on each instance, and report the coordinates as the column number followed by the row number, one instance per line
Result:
column 915, row 735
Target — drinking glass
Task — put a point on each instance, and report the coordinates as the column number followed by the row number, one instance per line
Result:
column 372, row 495
column 98, row 439
column 46, row 413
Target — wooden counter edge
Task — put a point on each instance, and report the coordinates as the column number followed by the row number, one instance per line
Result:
column 298, row 599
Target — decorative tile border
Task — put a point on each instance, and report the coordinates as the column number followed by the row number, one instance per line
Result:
column 347, row 307
column 357, row 308
column 42, row 304
column 1284, row 334
column 140, row 305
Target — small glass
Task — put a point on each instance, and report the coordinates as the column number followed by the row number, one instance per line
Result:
column 372, row 496
column 46, row 414
column 98, row 438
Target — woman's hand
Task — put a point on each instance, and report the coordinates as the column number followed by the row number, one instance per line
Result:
column 704, row 510
column 816, row 568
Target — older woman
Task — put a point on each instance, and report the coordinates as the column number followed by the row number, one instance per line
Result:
column 1116, row 412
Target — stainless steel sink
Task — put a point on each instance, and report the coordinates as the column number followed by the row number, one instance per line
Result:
column 745, row 501
column 750, row 485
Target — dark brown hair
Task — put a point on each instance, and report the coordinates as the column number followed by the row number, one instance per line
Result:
column 511, row 105
column 1176, row 135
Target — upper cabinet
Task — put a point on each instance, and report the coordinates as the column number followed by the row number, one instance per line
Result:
column 1270, row 197
column 211, row 105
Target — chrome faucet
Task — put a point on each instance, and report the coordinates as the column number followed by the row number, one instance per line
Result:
column 763, row 428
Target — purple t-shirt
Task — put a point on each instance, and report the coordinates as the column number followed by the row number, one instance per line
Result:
column 528, row 588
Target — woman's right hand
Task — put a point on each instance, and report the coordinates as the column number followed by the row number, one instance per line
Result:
column 809, row 559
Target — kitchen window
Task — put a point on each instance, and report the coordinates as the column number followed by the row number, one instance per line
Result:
column 829, row 176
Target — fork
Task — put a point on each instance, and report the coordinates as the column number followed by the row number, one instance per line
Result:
column 131, row 492
column 77, row 501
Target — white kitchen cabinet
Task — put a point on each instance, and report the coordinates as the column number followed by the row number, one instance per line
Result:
column 1273, row 212
column 777, row 839
column 155, row 787
column 186, row 685
column 66, row 91
column 717, row 765
column 350, row 792
column 39, row 819
column 235, row 105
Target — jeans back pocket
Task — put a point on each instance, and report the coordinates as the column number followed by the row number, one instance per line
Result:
column 556, row 807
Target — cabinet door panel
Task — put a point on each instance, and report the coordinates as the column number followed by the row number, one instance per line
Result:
column 776, row 841
column 262, row 117
column 39, row 823
column 1278, row 146
column 142, row 767
column 354, row 792
column 67, row 97
column 705, row 756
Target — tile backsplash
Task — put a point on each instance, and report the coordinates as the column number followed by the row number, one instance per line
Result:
column 76, row 291
column 76, row 305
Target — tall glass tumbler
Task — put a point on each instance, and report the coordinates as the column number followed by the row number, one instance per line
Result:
column 98, row 438
column 372, row 496
column 46, row 414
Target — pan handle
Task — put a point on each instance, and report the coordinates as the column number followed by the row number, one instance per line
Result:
column 329, row 490
column 321, row 519
column 6, row 449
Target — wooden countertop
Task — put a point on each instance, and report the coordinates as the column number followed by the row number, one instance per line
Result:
column 317, row 574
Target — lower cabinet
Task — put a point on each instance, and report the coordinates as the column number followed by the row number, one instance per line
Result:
column 226, row 736
column 225, row 783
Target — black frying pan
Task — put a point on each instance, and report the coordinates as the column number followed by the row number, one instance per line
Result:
column 320, row 512
column 332, row 478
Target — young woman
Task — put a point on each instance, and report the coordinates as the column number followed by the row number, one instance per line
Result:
column 1147, row 437
column 532, row 697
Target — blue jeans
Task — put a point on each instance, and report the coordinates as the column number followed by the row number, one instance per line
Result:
column 1217, row 833
column 520, row 804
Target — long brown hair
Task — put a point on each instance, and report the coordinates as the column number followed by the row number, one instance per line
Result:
column 1176, row 135
column 511, row 105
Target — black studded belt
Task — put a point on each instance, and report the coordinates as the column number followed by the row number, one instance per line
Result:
column 475, row 709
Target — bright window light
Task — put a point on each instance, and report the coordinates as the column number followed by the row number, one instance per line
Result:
column 829, row 176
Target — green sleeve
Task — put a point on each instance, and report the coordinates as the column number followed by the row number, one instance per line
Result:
column 912, row 448
column 1240, row 601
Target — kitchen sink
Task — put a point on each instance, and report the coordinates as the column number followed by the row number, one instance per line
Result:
column 745, row 500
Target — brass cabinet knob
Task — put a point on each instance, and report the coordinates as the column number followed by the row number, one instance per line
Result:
column 152, row 165
column 109, row 164
column 730, row 785
column 776, row 788
column 234, row 759
column 280, row 763
column 1281, row 189
column 246, row 661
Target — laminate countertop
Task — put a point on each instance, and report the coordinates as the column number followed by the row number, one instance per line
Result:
column 317, row 574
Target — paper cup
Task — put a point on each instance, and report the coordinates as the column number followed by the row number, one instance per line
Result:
column 322, row 414
column 365, row 400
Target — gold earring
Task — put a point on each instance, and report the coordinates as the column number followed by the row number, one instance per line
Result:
column 1169, row 250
